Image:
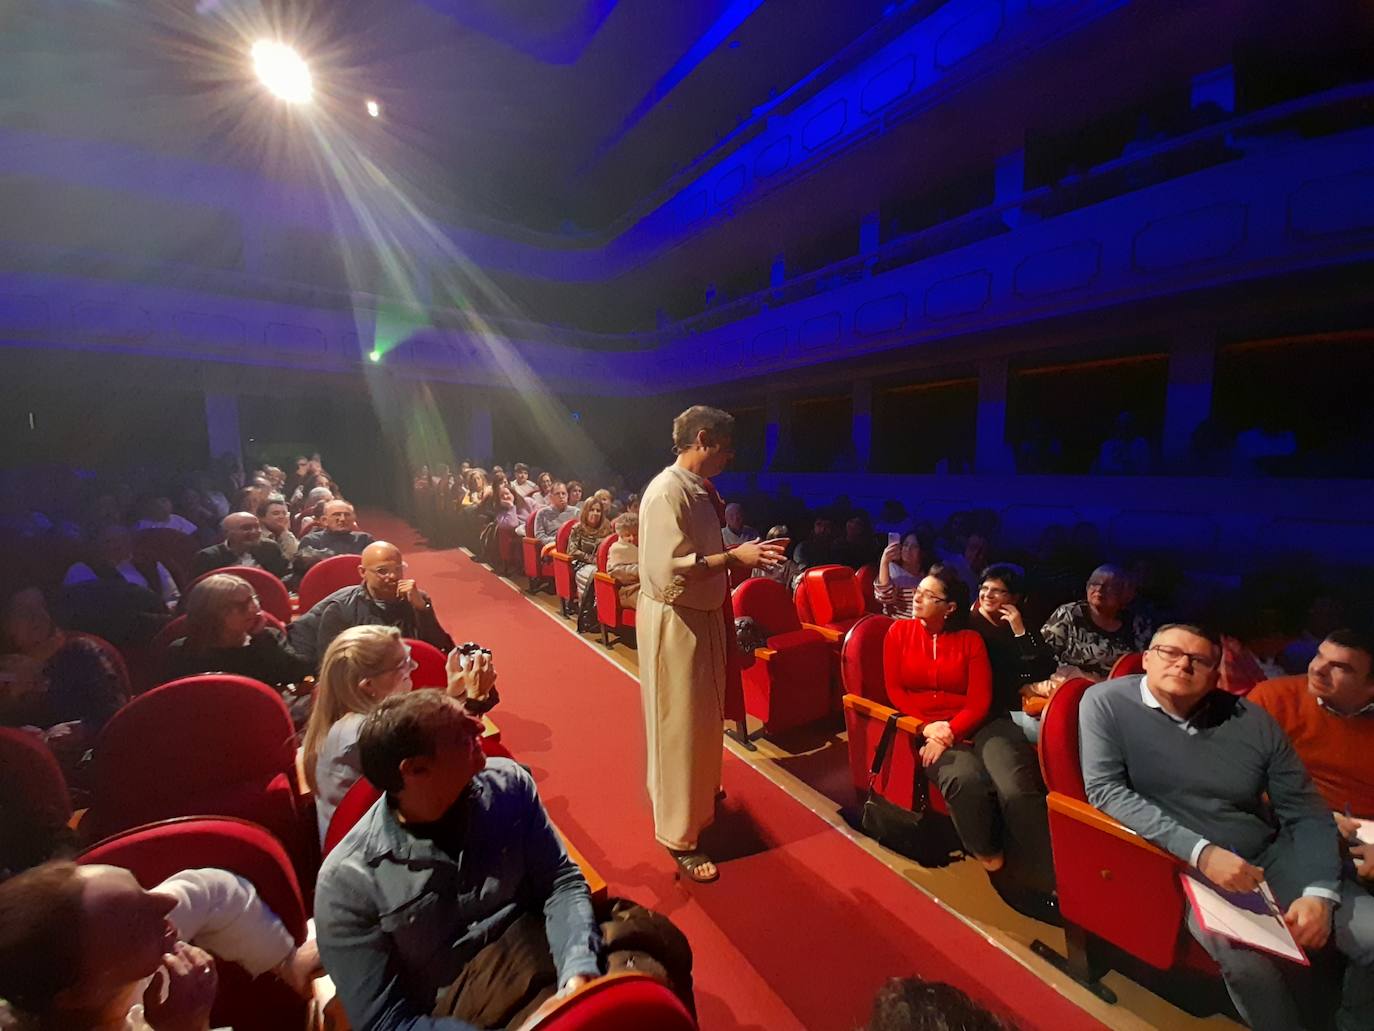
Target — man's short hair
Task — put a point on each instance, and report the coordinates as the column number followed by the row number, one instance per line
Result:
column 402, row 727
column 1359, row 639
column 40, row 913
column 520, row 467
column 718, row 425
column 1197, row 630
column 774, row 532
column 627, row 522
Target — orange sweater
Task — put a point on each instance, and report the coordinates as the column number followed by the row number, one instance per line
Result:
column 1337, row 750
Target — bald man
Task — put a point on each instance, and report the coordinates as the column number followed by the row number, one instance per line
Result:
column 242, row 546
column 385, row 597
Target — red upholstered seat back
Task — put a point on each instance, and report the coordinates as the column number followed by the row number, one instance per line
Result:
column 1059, row 759
column 351, row 808
column 187, row 741
column 620, row 1002
column 833, row 594
column 325, row 577
column 603, row 551
column 111, row 653
column 866, row 577
column 564, row 532
column 31, row 782
column 271, row 592
column 1128, row 665
column 861, row 659
column 430, row 669
column 768, row 604
column 801, row 601
column 154, row 852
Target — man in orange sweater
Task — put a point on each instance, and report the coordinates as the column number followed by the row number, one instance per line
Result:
column 1329, row 717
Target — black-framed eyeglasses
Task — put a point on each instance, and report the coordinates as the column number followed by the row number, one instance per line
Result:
column 920, row 594
column 1170, row 654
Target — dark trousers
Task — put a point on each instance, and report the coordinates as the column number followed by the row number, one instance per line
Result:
column 997, row 800
column 514, row 975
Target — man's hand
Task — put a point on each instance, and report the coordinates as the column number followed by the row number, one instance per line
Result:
column 1228, row 870
column 300, row 969
column 939, row 731
column 1364, row 861
column 931, row 751
column 753, row 554
column 1012, row 615
column 68, row 741
column 1309, row 918
column 406, row 590
column 473, row 680
column 182, row 991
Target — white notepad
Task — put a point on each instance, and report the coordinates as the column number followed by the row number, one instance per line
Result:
column 1251, row 918
column 1364, row 831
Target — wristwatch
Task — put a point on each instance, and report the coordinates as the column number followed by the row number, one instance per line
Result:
column 701, row 561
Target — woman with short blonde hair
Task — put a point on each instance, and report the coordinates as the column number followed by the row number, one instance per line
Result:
column 226, row 632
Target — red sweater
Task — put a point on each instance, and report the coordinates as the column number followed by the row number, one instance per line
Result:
column 941, row 677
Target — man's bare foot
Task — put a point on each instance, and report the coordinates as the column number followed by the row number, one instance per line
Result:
column 696, row 865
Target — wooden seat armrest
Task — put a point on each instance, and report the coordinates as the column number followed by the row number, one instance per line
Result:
column 559, row 556
column 829, row 633
column 596, row 884
column 879, row 711
column 764, row 654
column 1100, row 821
column 490, row 729
column 606, row 578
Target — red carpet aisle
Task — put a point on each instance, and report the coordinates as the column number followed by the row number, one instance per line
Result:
column 802, row 927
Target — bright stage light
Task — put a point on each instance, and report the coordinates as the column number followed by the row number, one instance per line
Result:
column 376, row 356
column 374, row 109
column 282, row 71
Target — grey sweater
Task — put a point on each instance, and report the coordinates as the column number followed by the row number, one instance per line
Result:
column 1204, row 781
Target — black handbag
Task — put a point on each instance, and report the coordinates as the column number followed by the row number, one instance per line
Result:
column 891, row 825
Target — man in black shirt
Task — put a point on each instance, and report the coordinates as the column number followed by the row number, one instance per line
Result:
column 242, row 546
column 384, row 598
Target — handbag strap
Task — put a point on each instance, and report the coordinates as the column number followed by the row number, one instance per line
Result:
column 884, row 743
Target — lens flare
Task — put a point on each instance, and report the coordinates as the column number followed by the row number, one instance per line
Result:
column 283, row 71
column 374, row 109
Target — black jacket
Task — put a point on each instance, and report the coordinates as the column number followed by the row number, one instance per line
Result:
column 266, row 554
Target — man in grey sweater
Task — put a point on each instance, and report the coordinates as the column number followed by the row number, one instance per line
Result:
column 1188, row 768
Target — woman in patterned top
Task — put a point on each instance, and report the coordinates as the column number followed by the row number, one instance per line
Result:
column 1094, row 633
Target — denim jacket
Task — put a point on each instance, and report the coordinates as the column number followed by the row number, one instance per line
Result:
column 398, row 918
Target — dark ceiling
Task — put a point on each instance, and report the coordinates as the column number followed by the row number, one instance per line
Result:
column 552, row 115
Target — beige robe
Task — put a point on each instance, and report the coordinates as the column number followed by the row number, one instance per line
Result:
column 682, row 653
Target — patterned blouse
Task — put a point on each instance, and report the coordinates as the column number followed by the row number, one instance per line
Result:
column 1077, row 641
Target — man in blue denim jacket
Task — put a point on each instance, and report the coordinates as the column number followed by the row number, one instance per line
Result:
column 442, row 867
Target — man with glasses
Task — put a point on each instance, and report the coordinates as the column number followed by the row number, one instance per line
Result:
column 385, row 597
column 1211, row 778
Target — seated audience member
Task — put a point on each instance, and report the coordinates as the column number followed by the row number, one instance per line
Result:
column 1094, row 633
column 1126, row 452
column 818, row 549
column 154, row 512
column 914, row 1004
column 225, row 633
column 541, row 496
column 948, row 686
column 1212, row 779
column 522, row 484
column 275, row 517
column 340, row 535
column 735, row 532
column 970, row 560
column 363, row 665
column 505, row 513
column 901, row 568
column 507, row 915
column 66, row 686
column 385, row 597
column 114, row 560
column 1329, row 717
column 242, row 546
column 276, row 478
column 858, row 548
column 552, row 517
column 575, row 492
column 195, row 508
column 1017, row 656
column 297, row 477
column 786, row 571
column 1251, row 642
column 592, row 528
column 632, row 503
column 86, row 948
column 622, row 561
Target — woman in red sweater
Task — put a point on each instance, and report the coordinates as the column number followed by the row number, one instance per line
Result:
column 938, row 671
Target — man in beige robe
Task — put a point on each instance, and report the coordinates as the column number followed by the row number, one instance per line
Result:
column 683, row 574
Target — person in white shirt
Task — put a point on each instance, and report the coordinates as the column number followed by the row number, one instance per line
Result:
column 85, row 948
column 115, row 548
column 155, row 513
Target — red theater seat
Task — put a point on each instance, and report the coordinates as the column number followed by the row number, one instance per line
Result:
column 154, row 852
column 507, row 549
column 620, row 1002
column 33, row 791
column 615, row 618
column 113, row 654
column 866, row 577
column 866, row 711
column 209, row 745
column 1113, row 884
column 325, row 577
column 829, row 597
column 1128, row 665
column 431, row 665
column 538, row 569
column 272, row 593
column 564, row 583
column 788, row 683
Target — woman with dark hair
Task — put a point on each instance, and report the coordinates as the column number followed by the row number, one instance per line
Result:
column 63, row 684
column 937, row 671
column 900, row 570
column 226, row 633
